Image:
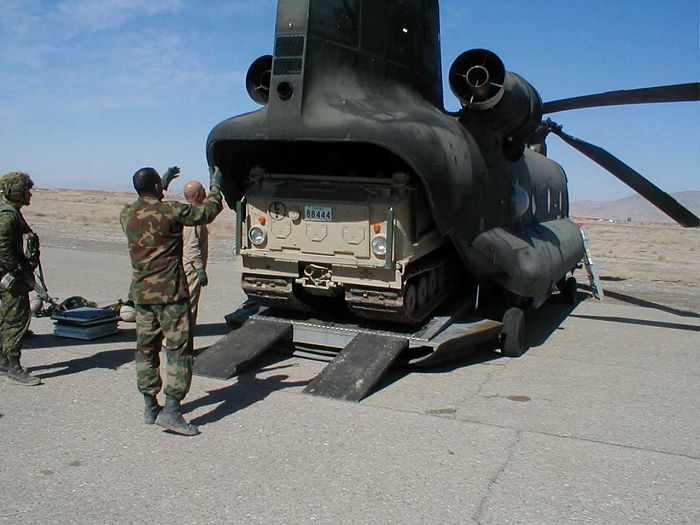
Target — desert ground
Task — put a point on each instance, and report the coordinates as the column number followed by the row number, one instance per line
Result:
column 596, row 423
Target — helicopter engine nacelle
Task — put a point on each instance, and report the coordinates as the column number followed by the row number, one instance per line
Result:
column 257, row 80
column 494, row 98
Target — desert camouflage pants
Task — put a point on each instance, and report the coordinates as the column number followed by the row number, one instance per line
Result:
column 155, row 322
column 195, row 288
column 14, row 321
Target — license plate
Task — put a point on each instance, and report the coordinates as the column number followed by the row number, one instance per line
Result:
column 318, row 213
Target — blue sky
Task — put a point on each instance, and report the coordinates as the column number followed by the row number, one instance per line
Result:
column 91, row 90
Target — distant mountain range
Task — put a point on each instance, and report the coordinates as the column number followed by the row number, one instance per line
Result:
column 634, row 208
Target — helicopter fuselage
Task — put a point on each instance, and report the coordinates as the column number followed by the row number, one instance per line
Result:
column 353, row 182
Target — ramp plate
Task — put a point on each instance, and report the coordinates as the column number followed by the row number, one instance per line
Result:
column 357, row 368
column 458, row 340
column 230, row 354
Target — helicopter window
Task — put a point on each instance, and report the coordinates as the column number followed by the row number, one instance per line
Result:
column 549, row 200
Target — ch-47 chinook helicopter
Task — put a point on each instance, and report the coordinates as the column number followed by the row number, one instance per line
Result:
column 353, row 184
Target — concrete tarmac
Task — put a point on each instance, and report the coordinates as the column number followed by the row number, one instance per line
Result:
column 597, row 423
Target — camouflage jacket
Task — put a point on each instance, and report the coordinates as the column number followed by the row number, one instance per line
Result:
column 12, row 228
column 153, row 231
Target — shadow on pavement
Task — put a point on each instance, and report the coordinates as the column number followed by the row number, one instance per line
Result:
column 649, row 304
column 627, row 320
column 540, row 324
column 110, row 359
column 481, row 354
column 235, row 397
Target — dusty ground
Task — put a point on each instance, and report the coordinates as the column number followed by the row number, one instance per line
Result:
column 89, row 220
column 646, row 265
column 657, row 264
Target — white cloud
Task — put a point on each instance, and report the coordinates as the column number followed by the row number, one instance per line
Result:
column 99, row 15
column 31, row 31
column 90, row 56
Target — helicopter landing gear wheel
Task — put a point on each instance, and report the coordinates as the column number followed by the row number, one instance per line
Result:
column 568, row 292
column 409, row 298
column 512, row 337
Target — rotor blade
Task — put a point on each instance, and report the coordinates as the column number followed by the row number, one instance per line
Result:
column 634, row 180
column 675, row 93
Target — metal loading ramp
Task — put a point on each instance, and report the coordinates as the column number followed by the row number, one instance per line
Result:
column 359, row 354
column 233, row 352
column 357, row 368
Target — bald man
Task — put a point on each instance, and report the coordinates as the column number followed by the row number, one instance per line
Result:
column 195, row 249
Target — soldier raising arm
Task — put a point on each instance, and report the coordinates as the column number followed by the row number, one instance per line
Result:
column 153, row 229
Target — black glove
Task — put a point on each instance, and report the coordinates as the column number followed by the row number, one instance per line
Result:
column 202, row 276
column 170, row 174
column 215, row 178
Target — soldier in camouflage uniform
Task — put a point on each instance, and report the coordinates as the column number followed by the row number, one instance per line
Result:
column 16, row 274
column 153, row 230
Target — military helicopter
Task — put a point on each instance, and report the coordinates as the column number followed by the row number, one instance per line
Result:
column 353, row 184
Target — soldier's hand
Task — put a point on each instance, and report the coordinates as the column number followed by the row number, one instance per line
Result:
column 170, row 174
column 215, row 178
column 202, row 276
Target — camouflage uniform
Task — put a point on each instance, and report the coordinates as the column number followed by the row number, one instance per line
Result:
column 159, row 289
column 14, row 303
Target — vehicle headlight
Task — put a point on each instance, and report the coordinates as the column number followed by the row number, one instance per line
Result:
column 257, row 235
column 379, row 245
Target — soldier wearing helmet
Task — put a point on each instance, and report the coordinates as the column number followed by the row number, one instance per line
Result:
column 16, row 274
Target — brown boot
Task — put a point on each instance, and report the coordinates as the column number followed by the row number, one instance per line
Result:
column 19, row 374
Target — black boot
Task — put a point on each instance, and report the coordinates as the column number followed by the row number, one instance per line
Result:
column 170, row 418
column 19, row 374
column 4, row 363
column 152, row 408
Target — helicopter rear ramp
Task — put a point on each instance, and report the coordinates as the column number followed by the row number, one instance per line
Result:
column 358, row 354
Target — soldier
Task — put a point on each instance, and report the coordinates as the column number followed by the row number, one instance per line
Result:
column 153, row 230
column 195, row 249
column 16, row 274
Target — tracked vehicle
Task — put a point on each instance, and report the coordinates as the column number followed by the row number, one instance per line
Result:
column 368, row 241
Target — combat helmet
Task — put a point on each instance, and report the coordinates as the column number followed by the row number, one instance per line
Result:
column 14, row 186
